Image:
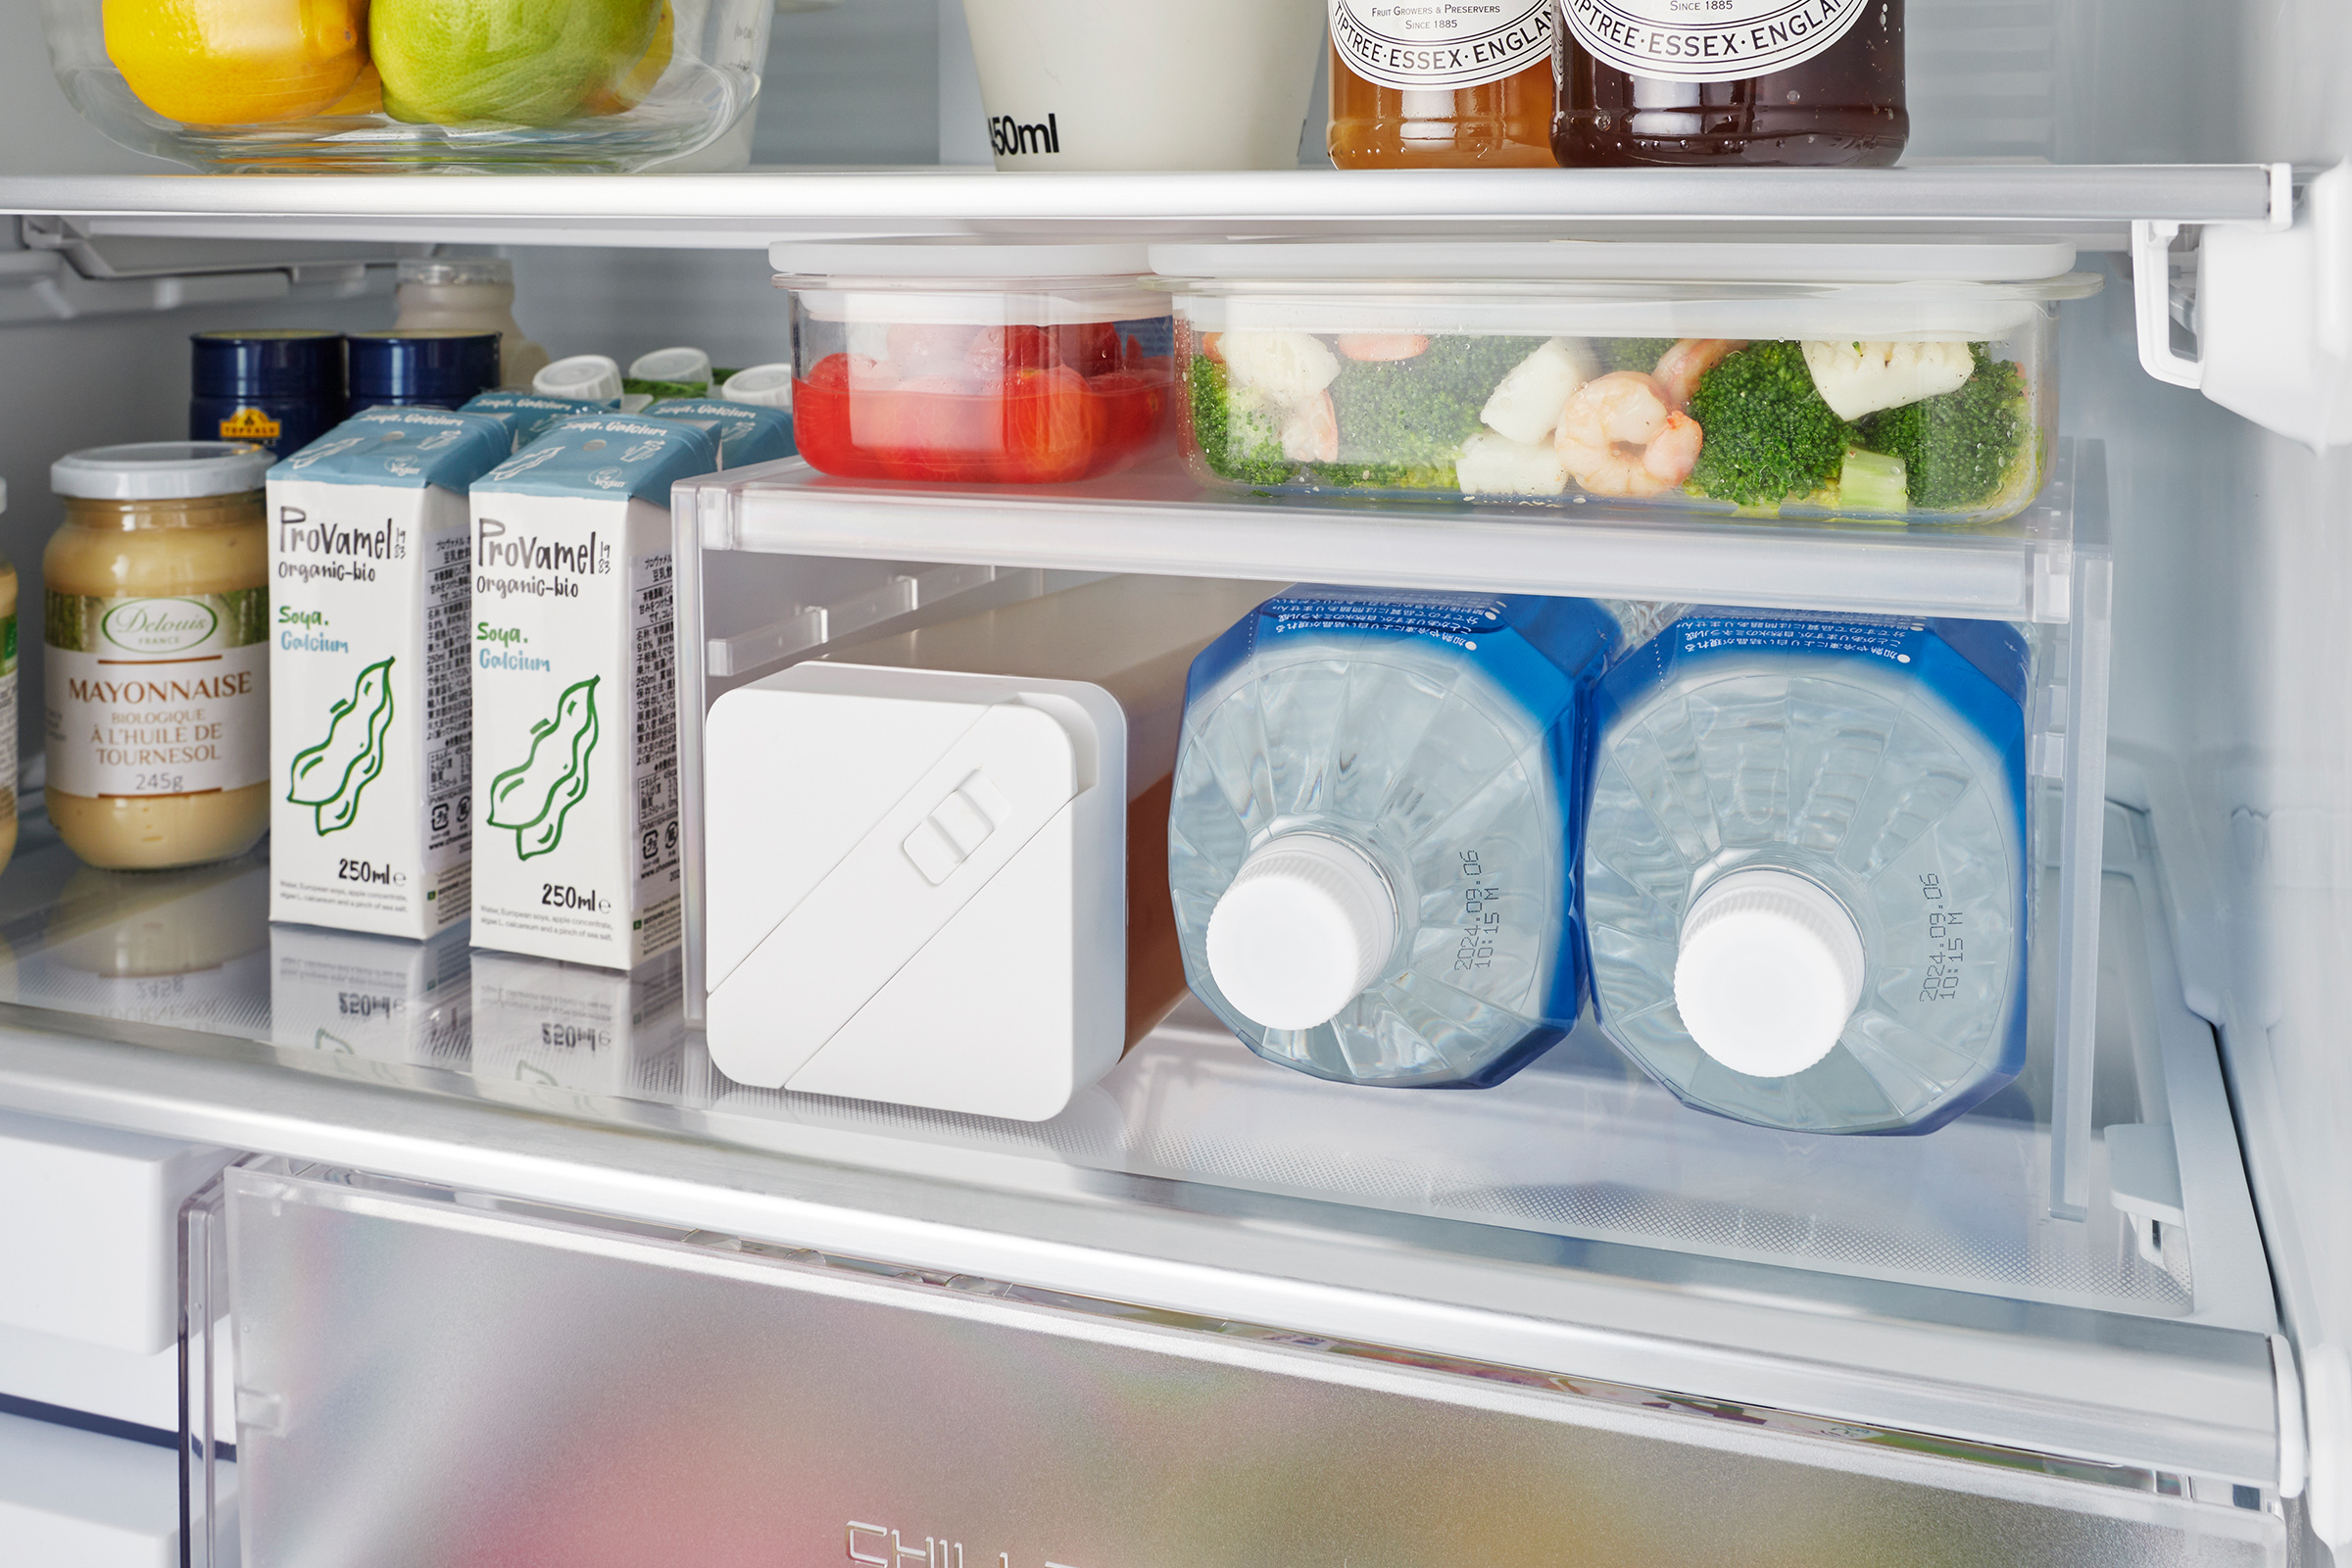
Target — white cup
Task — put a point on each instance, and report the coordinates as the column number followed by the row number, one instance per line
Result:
column 1122, row 84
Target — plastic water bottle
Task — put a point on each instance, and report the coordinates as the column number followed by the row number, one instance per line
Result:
column 1372, row 841
column 1804, row 865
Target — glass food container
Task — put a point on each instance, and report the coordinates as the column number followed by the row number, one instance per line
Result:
column 156, row 654
column 976, row 363
column 349, row 86
column 1908, row 382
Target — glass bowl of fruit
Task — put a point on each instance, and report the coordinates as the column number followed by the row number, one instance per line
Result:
column 352, row 86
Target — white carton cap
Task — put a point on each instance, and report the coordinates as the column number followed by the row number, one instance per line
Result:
column 160, row 470
column 671, row 365
column 1307, row 922
column 769, row 385
column 590, row 378
column 1770, row 971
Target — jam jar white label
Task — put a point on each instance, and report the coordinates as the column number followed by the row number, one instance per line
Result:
column 156, row 696
column 1707, row 41
column 1444, row 44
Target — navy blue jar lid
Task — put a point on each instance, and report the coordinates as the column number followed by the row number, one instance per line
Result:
column 452, row 363
column 282, row 363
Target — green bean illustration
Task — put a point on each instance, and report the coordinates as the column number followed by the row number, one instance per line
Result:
column 534, row 798
column 332, row 774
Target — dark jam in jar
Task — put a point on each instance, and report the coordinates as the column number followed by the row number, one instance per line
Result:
column 1640, row 84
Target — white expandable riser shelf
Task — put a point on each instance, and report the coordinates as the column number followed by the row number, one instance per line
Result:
column 1163, row 521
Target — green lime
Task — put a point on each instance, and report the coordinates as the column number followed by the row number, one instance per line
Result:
column 525, row 62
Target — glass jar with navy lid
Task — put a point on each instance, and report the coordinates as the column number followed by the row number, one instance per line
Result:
column 437, row 367
column 281, row 389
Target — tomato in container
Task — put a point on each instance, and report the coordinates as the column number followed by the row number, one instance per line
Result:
column 955, row 363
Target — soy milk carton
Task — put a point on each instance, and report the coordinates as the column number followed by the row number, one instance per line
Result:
column 370, row 703
column 528, row 414
column 748, row 432
column 575, row 767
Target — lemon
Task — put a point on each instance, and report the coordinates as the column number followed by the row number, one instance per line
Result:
column 525, row 62
column 364, row 96
column 236, row 62
column 630, row 90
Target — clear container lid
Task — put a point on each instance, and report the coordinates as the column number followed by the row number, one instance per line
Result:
column 1750, row 258
column 438, row 269
column 956, row 282
column 160, row 470
column 934, row 261
column 1878, row 290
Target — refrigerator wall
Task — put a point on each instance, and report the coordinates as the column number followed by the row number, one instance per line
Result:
column 2232, row 750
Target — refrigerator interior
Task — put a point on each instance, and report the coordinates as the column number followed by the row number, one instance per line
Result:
column 1574, row 1218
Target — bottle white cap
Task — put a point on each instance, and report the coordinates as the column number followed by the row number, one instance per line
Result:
column 769, row 385
column 160, row 470
column 1770, row 971
column 590, row 378
column 1305, row 925
column 671, row 365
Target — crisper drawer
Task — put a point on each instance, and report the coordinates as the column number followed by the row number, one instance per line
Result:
column 431, row 1377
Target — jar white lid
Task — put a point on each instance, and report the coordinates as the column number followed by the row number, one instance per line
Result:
column 929, row 261
column 439, row 270
column 160, row 470
column 1751, row 260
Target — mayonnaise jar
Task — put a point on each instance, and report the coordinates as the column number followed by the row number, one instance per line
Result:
column 156, row 656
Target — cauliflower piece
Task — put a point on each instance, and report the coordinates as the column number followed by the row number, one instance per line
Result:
column 1526, row 404
column 1492, row 464
column 1858, row 378
column 1289, row 368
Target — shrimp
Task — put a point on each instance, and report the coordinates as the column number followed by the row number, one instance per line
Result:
column 1310, row 430
column 1619, row 437
column 1681, row 367
column 1382, row 345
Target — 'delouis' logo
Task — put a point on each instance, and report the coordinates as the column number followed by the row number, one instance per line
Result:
column 159, row 625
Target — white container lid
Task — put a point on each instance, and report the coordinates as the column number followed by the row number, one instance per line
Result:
column 590, row 378
column 929, row 261
column 1307, row 923
column 671, row 365
column 1770, row 971
column 1647, row 260
column 160, row 470
column 768, row 385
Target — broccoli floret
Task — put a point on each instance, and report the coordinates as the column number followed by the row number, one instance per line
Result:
column 1408, row 418
column 1767, row 435
column 1632, row 353
column 1958, row 449
column 1386, row 476
column 1237, row 440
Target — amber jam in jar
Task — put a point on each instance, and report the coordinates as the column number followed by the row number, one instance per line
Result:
column 1441, row 88
column 1814, row 83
